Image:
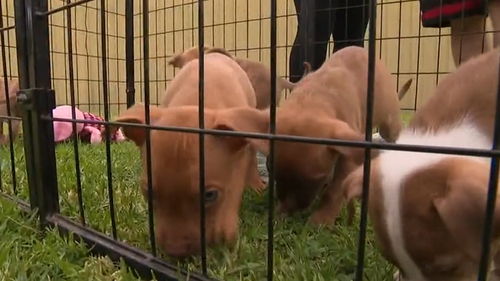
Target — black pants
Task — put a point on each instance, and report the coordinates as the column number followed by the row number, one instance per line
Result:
column 345, row 20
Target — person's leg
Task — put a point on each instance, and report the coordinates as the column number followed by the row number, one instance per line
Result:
column 350, row 27
column 322, row 34
column 325, row 23
column 494, row 13
column 467, row 14
column 465, row 46
column 295, row 64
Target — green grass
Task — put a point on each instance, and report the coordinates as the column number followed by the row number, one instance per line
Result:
column 24, row 256
column 301, row 252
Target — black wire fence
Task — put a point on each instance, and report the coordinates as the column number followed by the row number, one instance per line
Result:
column 106, row 56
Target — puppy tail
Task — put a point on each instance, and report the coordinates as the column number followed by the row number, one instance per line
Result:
column 290, row 85
column 307, row 68
column 402, row 92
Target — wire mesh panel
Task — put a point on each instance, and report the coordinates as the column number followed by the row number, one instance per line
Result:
column 10, row 126
column 220, row 139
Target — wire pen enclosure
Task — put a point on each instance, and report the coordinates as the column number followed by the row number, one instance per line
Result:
column 102, row 59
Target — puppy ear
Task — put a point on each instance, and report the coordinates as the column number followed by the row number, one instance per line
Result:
column 340, row 130
column 462, row 210
column 244, row 119
column 136, row 114
column 205, row 48
column 177, row 60
column 404, row 89
column 219, row 50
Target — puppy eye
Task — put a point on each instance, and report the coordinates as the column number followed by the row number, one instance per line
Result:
column 211, row 196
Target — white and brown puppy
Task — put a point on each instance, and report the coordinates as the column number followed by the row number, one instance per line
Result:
column 427, row 208
column 330, row 103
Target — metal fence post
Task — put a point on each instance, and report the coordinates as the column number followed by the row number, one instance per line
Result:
column 129, row 50
column 40, row 150
column 36, row 100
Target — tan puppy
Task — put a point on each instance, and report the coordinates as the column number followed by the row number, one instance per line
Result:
column 330, row 103
column 428, row 209
column 258, row 73
column 229, row 161
column 12, row 93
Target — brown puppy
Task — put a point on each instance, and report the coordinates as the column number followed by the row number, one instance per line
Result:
column 12, row 94
column 428, row 209
column 229, row 161
column 330, row 103
column 258, row 73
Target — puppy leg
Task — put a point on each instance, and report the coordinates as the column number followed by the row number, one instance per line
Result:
column 331, row 203
column 253, row 179
column 4, row 112
column 469, row 42
column 15, row 128
column 3, row 138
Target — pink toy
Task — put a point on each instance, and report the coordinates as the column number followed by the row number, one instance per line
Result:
column 87, row 132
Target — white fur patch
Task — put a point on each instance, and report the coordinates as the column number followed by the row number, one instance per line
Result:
column 395, row 166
